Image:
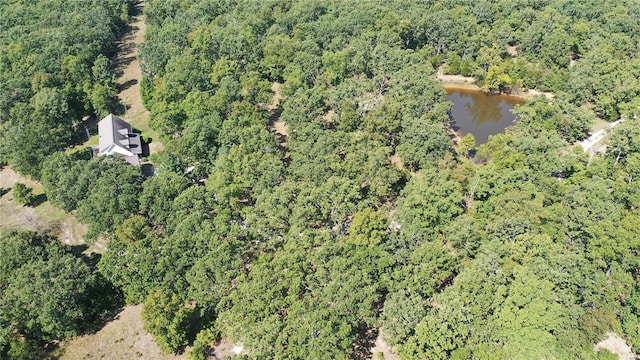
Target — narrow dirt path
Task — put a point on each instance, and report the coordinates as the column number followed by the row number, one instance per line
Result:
column 129, row 76
column 591, row 142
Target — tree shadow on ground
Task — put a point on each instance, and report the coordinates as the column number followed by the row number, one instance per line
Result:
column 127, row 84
column 4, row 191
column 38, row 200
column 364, row 343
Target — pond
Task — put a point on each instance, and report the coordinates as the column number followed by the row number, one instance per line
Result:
column 480, row 114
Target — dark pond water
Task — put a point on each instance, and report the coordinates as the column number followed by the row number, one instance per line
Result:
column 480, row 114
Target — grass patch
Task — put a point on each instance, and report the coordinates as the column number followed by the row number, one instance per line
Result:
column 93, row 141
column 122, row 338
column 45, row 217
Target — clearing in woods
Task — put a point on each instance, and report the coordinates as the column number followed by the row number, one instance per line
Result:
column 121, row 338
column 41, row 217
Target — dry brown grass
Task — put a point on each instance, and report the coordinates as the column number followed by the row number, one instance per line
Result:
column 129, row 77
column 42, row 218
column 122, row 338
column 599, row 124
column 382, row 350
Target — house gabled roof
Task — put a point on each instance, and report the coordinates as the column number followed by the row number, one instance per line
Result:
column 116, row 138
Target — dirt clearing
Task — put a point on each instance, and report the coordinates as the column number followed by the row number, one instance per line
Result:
column 122, row 338
column 617, row 345
column 43, row 217
column 382, row 350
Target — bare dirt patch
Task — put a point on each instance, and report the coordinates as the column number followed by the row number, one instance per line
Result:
column 276, row 125
column 617, row 345
column 43, row 217
column 280, row 127
column 455, row 79
column 533, row 93
column 227, row 349
column 382, row 350
column 397, row 161
column 277, row 96
column 328, row 116
column 122, row 338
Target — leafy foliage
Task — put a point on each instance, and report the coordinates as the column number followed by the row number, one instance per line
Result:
column 22, row 194
column 309, row 192
column 167, row 320
column 46, row 292
column 104, row 190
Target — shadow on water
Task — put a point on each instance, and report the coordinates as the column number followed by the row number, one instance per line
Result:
column 480, row 114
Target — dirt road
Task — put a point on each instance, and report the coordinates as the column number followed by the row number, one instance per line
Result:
column 129, row 76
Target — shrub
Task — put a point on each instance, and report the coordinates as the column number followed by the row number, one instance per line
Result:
column 22, row 194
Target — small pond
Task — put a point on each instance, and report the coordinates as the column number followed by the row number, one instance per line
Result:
column 480, row 114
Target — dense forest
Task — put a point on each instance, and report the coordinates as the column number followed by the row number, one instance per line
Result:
column 300, row 226
column 55, row 68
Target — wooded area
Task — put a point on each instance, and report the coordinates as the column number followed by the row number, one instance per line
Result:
column 362, row 214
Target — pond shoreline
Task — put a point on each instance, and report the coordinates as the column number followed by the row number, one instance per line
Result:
column 453, row 82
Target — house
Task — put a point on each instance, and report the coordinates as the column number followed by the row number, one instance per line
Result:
column 116, row 138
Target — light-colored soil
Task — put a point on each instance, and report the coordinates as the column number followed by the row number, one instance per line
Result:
column 277, row 96
column 594, row 142
column 328, row 116
column 533, row 93
column 382, row 348
column 130, row 75
column 280, row 127
column 277, row 126
column 617, row 345
column 397, row 161
column 456, row 79
column 122, row 338
column 226, row 349
column 464, row 82
column 43, row 217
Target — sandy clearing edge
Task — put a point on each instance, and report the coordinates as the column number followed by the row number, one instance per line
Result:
column 617, row 345
column 467, row 82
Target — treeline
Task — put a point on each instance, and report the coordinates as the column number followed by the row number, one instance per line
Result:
column 55, row 68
